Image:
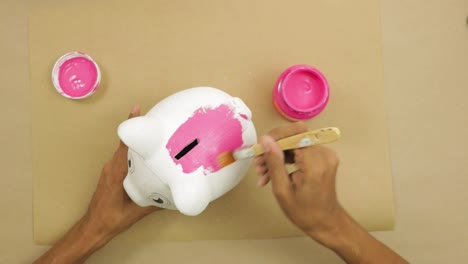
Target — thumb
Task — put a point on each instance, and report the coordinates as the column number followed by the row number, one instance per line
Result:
column 134, row 112
column 274, row 160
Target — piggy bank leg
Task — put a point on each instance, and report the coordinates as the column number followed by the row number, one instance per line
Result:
column 191, row 194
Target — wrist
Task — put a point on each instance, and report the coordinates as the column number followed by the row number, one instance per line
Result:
column 353, row 243
column 84, row 238
column 96, row 232
column 334, row 230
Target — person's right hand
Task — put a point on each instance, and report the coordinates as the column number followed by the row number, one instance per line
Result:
column 307, row 196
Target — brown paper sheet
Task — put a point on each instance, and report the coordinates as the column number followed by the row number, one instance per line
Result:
column 148, row 50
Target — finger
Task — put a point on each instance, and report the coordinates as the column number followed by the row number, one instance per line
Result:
column 288, row 130
column 274, row 159
column 259, row 161
column 260, row 166
column 297, row 179
column 306, row 158
column 263, row 180
column 261, row 170
column 315, row 162
column 133, row 113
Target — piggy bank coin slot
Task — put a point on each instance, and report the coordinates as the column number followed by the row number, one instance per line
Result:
column 187, row 149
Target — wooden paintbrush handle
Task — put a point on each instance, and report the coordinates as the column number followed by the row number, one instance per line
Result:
column 309, row 138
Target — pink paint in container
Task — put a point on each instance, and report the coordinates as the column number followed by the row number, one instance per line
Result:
column 76, row 75
column 300, row 93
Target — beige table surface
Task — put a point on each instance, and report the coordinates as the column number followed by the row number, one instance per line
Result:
column 185, row 38
column 426, row 61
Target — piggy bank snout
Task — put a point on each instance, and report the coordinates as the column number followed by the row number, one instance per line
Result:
column 145, row 187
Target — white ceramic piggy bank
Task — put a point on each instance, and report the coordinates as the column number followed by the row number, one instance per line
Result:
column 173, row 149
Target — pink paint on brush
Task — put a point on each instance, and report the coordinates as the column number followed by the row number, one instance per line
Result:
column 217, row 131
column 76, row 75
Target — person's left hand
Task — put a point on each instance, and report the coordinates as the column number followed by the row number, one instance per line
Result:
column 111, row 211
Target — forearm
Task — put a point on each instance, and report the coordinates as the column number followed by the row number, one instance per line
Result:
column 82, row 240
column 354, row 244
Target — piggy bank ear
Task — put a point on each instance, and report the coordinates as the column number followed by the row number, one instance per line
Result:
column 141, row 134
column 191, row 196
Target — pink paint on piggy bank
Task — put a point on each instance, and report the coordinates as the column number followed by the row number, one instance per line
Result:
column 173, row 149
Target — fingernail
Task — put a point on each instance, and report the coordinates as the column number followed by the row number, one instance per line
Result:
column 134, row 109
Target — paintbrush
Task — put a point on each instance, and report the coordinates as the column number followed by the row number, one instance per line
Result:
column 306, row 139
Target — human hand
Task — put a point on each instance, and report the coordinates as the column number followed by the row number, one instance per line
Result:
column 307, row 196
column 111, row 210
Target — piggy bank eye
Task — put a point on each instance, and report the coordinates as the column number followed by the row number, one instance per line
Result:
column 160, row 200
column 131, row 164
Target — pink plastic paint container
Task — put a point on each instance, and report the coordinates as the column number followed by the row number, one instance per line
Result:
column 300, row 93
column 76, row 75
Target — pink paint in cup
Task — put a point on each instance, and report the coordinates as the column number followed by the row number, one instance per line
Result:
column 76, row 75
column 300, row 93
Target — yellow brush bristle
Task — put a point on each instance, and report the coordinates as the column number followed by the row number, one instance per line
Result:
column 225, row 158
